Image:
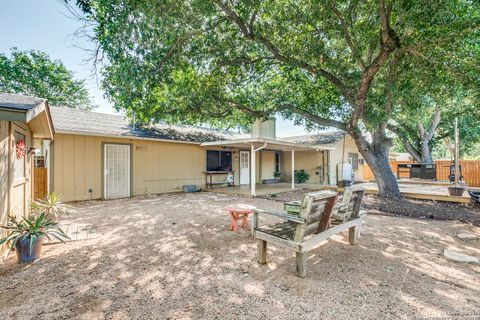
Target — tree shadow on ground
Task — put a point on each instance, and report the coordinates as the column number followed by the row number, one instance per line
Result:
column 172, row 256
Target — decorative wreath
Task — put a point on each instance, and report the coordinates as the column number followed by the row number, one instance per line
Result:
column 21, row 149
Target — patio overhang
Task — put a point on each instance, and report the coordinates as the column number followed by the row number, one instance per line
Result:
column 269, row 144
column 257, row 144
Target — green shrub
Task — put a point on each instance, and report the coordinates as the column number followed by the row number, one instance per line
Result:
column 301, row 176
column 277, row 174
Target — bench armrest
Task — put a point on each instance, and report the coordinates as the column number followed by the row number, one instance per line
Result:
column 282, row 215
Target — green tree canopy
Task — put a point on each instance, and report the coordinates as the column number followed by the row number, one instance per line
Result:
column 34, row 73
column 340, row 63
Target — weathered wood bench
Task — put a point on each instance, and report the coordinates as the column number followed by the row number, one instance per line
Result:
column 310, row 227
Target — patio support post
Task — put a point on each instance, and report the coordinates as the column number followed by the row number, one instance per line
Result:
column 253, row 178
column 293, row 169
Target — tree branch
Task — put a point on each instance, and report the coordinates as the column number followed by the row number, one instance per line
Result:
column 247, row 110
column 433, row 124
column 348, row 38
column 406, row 143
column 315, row 118
column 306, row 114
column 249, row 34
column 388, row 43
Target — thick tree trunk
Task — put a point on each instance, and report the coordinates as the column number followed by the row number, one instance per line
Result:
column 376, row 156
column 386, row 180
column 426, row 153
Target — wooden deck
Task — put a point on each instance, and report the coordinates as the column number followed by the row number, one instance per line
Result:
column 417, row 190
column 435, row 191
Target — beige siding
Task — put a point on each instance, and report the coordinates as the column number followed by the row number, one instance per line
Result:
column 307, row 160
column 157, row 167
column 4, row 172
column 336, row 157
column 10, row 195
column 267, row 164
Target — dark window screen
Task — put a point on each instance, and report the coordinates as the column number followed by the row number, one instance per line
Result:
column 219, row 160
column 277, row 161
column 354, row 160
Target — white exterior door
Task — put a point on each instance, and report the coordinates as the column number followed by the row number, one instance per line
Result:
column 117, row 171
column 244, row 167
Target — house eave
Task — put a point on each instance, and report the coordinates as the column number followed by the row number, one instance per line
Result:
column 120, row 136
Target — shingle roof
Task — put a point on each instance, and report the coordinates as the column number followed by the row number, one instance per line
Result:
column 19, row 102
column 319, row 138
column 75, row 121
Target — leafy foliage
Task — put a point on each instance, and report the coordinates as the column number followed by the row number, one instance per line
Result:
column 301, row 176
column 349, row 64
column 33, row 73
column 52, row 206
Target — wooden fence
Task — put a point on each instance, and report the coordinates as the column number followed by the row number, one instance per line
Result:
column 40, row 183
column 470, row 170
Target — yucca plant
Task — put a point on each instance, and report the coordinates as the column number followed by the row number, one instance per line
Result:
column 27, row 235
column 52, row 205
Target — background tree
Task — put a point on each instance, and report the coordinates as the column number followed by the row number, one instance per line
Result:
column 427, row 102
column 33, row 73
column 322, row 63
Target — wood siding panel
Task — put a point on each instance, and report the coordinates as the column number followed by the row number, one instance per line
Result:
column 79, row 162
column 336, row 157
column 307, row 160
column 89, row 163
column 268, row 164
column 157, row 167
column 69, row 171
column 4, row 175
column 57, row 163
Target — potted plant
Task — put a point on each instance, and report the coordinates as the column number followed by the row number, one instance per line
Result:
column 301, row 176
column 276, row 175
column 27, row 235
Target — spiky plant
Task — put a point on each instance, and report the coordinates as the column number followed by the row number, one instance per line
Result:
column 31, row 228
column 52, row 206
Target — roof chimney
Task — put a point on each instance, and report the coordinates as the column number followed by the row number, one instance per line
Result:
column 264, row 129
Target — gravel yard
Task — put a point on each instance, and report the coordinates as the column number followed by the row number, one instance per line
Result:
column 173, row 257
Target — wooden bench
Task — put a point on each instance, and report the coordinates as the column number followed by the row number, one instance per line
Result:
column 309, row 228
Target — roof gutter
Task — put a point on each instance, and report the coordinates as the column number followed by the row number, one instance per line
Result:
column 260, row 148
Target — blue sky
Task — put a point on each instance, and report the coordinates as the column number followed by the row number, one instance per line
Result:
column 46, row 25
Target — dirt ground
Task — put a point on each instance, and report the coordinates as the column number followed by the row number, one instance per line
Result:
column 173, row 257
column 422, row 209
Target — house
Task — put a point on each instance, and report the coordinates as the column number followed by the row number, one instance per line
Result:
column 98, row 155
column 101, row 156
column 23, row 122
column 342, row 149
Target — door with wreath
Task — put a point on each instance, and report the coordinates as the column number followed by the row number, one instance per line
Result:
column 20, row 174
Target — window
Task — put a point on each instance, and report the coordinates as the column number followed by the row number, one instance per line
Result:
column 353, row 159
column 39, row 162
column 277, row 161
column 219, row 160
